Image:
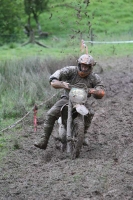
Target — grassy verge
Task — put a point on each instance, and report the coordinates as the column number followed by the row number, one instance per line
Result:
column 62, row 47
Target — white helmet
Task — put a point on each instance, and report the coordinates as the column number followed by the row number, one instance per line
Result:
column 86, row 59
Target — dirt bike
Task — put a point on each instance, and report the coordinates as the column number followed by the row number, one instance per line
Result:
column 71, row 122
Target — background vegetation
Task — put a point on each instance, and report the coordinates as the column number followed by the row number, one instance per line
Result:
column 60, row 26
column 67, row 18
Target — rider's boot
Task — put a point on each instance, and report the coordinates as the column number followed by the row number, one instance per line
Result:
column 48, row 127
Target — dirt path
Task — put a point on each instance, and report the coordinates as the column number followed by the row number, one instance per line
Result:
column 104, row 170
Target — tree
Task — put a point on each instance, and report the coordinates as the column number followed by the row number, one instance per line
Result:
column 35, row 8
column 10, row 17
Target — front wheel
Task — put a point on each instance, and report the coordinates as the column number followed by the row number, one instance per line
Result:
column 79, row 130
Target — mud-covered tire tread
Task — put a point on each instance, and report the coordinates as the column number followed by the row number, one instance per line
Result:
column 80, row 136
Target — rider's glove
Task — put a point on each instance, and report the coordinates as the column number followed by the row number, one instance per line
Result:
column 98, row 94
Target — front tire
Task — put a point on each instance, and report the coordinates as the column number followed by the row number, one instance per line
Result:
column 79, row 129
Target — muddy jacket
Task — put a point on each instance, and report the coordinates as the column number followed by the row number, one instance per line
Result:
column 70, row 75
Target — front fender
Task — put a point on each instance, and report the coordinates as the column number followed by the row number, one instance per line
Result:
column 81, row 109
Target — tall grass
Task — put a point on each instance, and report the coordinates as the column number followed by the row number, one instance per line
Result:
column 24, row 82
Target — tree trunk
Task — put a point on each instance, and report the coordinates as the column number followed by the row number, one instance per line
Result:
column 32, row 40
column 37, row 22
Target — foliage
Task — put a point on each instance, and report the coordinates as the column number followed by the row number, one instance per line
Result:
column 35, row 8
column 87, row 19
column 10, row 15
column 100, row 19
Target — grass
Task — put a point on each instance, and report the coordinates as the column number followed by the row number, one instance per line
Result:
column 24, row 82
column 65, row 48
column 107, row 14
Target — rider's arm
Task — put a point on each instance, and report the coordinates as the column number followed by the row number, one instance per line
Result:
column 98, row 90
column 59, row 84
column 60, row 78
column 98, row 94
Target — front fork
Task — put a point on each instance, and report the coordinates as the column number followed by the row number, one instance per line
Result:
column 69, row 128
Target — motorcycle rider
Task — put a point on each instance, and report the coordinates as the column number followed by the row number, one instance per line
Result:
column 83, row 73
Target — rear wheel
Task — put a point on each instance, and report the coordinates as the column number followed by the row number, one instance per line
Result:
column 79, row 130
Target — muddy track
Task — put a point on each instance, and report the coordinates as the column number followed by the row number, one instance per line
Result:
column 104, row 170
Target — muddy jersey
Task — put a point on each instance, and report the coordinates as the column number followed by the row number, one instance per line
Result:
column 70, row 75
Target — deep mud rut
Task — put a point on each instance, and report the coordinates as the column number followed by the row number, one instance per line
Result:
column 104, row 170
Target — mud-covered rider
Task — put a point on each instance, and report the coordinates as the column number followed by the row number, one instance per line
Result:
column 83, row 73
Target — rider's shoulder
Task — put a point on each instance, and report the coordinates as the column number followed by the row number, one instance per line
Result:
column 69, row 68
column 94, row 76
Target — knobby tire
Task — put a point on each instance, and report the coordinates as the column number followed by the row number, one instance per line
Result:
column 80, row 136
